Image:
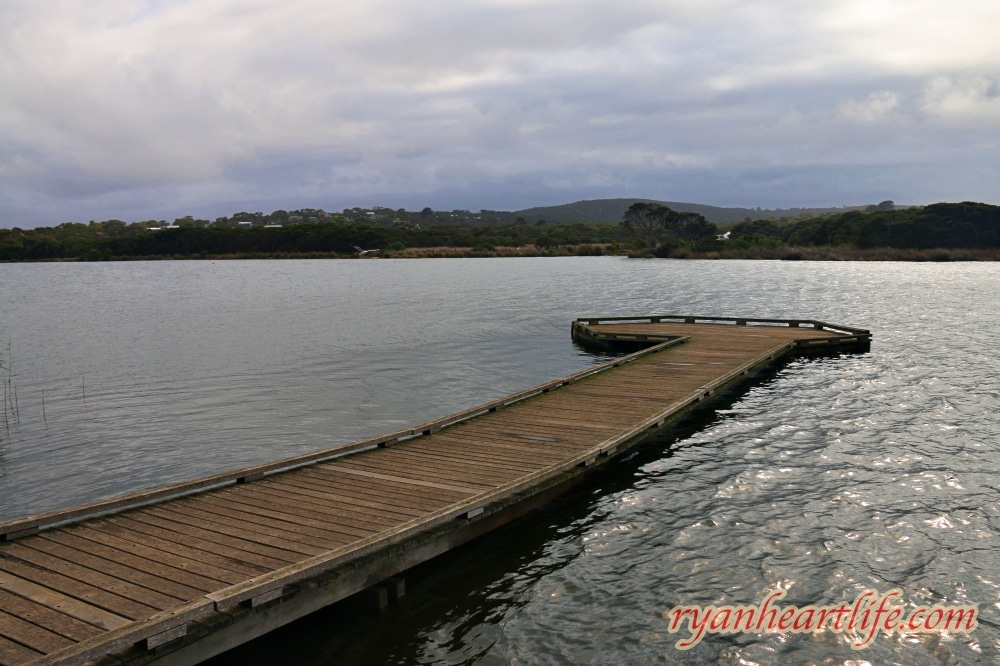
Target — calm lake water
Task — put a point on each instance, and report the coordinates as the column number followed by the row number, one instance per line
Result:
column 832, row 476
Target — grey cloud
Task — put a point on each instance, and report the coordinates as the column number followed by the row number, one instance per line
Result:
column 123, row 109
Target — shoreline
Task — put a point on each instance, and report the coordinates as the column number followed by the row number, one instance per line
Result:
column 820, row 253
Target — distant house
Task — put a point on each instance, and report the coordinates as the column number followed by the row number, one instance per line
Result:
column 245, row 224
column 272, row 226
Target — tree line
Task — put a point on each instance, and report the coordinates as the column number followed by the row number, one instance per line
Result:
column 966, row 225
column 644, row 228
column 335, row 236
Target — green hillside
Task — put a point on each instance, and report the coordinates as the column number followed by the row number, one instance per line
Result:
column 611, row 210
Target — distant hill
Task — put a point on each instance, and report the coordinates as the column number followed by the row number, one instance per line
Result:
column 611, row 210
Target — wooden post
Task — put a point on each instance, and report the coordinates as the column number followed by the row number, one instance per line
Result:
column 376, row 597
column 395, row 586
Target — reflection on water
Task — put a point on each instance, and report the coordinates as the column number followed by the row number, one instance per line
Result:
column 838, row 474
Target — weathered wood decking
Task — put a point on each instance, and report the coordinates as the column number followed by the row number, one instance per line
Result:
column 180, row 573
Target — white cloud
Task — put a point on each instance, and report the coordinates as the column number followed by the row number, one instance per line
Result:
column 919, row 37
column 877, row 107
column 970, row 99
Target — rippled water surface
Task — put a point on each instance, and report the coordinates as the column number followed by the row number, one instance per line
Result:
column 830, row 476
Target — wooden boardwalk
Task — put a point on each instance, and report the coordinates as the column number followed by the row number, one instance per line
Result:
column 181, row 573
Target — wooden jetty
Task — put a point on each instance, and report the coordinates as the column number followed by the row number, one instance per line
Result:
column 178, row 574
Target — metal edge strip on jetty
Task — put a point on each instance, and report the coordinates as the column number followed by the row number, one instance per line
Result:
column 251, row 602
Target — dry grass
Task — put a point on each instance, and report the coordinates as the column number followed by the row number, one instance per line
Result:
column 465, row 252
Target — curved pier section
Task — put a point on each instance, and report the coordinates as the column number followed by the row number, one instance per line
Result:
column 178, row 574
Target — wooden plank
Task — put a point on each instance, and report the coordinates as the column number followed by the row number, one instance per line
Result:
column 455, row 467
column 390, row 477
column 302, row 534
column 428, row 472
column 321, row 534
column 344, row 519
column 461, row 460
column 618, row 406
column 481, row 439
column 236, row 547
column 302, row 502
column 521, row 441
column 331, row 516
column 58, row 601
column 601, row 404
column 174, row 490
column 31, row 635
column 421, row 472
column 517, row 446
column 527, row 425
column 646, row 383
column 126, row 636
column 670, row 370
column 83, row 591
column 652, row 383
column 163, row 539
column 300, row 488
column 34, row 552
column 416, row 494
column 170, row 580
column 164, row 590
column 624, row 400
column 250, row 538
column 43, row 616
column 423, row 475
column 14, row 654
column 475, row 453
column 531, row 444
column 518, row 438
column 479, row 448
column 473, row 448
column 402, row 469
column 318, row 564
column 217, row 571
column 317, row 490
column 387, row 494
column 584, row 423
column 347, row 530
column 284, row 539
column 677, row 361
column 402, row 455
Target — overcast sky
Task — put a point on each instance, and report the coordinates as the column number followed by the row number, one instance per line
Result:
column 138, row 109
